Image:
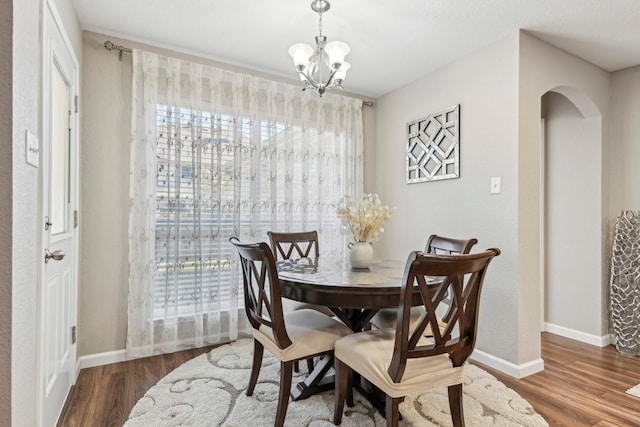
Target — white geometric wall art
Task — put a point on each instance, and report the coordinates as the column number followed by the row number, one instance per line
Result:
column 433, row 146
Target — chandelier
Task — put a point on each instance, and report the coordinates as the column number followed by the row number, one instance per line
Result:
column 326, row 61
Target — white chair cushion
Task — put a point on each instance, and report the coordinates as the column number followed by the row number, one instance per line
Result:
column 310, row 332
column 369, row 353
column 387, row 318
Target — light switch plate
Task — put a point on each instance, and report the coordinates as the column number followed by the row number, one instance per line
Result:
column 495, row 185
column 32, row 149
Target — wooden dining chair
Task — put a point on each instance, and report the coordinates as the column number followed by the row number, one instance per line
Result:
column 289, row 336
column 295, row 245
column 304, row 244
column 386, row 318
column 402, row 361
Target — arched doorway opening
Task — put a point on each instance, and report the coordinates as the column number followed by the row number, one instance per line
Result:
column 573, row 298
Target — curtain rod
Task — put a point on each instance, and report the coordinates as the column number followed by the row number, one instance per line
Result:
column 110, row 46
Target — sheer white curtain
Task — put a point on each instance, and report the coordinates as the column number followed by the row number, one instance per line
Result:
column 214, row 154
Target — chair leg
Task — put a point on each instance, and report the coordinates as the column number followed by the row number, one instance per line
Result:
column 296, row 366
column 343, row 374
column 349, row 399
column 258, row 349
column 392, row 412
column 286, row 375
column 455, row 405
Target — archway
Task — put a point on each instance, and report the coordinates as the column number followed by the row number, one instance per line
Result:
column 572, row 295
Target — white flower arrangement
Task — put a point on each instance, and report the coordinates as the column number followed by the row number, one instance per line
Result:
column 364, row 219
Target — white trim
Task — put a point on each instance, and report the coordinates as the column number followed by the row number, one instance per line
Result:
column 516, row 371
column 543, row 198
column 51, row 4
column 99, row 359
column 600, row 341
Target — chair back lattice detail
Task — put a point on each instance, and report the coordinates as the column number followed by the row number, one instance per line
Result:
column 446, row 245
column 262, row 296
column 294, row 245
column 435, row 276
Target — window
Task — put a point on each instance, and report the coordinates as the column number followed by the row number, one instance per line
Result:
column 219, row 176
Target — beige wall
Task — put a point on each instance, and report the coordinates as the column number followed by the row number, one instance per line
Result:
column 6, row 72
column 625, row 142
column 485, row 85
column 104, row 177
column 106, row 130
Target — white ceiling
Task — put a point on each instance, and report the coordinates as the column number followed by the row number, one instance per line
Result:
column 393, row 42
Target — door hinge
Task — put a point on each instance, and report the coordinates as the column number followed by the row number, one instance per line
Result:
column 75, row 101
column 75, row 219
column 73, row 334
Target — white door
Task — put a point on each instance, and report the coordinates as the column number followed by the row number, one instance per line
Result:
column 58, row 287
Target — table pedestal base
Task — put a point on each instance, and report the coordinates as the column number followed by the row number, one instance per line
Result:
column 317, row 381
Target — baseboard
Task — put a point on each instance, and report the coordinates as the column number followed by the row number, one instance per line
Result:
column 99, row 359
column 106, row 358
column 600, row 341
column 513, row 370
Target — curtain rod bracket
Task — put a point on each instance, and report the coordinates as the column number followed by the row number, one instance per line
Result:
column 109, row 45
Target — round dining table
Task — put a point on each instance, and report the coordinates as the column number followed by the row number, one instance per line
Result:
column 353, row 295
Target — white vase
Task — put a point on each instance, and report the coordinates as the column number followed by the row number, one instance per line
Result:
column 360, row 254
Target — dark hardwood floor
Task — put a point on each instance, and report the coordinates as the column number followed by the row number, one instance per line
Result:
column 103, row 396
column 582, row 385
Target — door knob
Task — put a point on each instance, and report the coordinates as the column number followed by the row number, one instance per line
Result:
column 55, row 255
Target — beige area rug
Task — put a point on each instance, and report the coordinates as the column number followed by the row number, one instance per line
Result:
column 634, row 391
column 209, row 390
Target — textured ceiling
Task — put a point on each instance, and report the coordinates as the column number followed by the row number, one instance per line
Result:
column 392, row 42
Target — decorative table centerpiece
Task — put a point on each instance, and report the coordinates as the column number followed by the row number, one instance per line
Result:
column 363, row 220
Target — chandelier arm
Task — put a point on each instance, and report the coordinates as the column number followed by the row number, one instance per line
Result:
column 308, row 81
column 330, row 83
